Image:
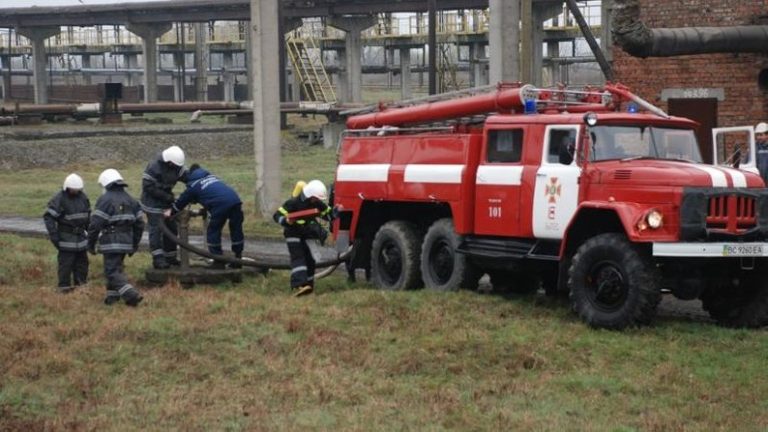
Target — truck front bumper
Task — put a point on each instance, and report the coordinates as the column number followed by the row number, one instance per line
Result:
column 711, row 250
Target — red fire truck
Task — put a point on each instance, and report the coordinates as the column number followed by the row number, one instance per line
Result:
column 594, row 192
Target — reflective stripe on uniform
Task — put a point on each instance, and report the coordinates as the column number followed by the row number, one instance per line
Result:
column 283, row 211
column 152, row 210
column 76, row 216
column 125, row 288
column 52, row 212
column 73, row 245
column 115, row 247
column 298, row 269
column 292, row 240
column 122, row 217
column 101, row 214
column 237, row 243
column 112, row 293
column 157, row 252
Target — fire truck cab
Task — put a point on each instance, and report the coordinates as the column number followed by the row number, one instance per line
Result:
column 555, row 188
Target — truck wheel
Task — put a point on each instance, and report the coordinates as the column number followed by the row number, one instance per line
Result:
column 613, row 284
column 514, row 282
column 395, row 256
column 442, row 268
column 740, row 306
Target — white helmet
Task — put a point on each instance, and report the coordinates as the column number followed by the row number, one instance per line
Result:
column 175, row 155
column 315, row 189
column 109, row 176
column 761, row 127
column 73, row 181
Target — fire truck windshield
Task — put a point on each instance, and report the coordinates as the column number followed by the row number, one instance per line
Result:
column 640, row 142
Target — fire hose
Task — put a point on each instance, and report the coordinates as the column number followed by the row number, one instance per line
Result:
column 330, row 266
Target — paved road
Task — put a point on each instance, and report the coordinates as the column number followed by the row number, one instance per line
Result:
column 268, row 250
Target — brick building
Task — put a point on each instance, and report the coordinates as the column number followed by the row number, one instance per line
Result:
column 714, row 89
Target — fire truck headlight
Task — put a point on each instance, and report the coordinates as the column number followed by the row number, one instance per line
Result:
column 655, row 219
column 590, row 119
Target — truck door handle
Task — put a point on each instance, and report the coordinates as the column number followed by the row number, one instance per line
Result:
column 541, row 174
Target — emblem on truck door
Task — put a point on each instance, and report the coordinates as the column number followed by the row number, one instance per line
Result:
column 553, row 190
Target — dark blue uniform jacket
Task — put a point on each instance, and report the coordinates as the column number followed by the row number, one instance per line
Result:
column 209, row 191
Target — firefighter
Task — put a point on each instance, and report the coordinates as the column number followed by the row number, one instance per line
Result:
column 761, row 139
column 117, row 223
column 222, row 202
column 66, row 220
column 298, row 229
column 157, row 184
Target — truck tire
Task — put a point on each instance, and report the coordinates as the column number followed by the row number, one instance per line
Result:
column 514, row 282
column 613, row 284
column 442, row 268
column 744, row 306
column 395, row 256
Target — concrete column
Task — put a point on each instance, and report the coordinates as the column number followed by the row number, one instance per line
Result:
column 389, row 60
column 504, row 40
column 247, row 59
column 342, row 81
column 131, row 62
column 266, row 102
column 149, row 33
column 478, row 74
column 201, row 62
column 353, row 25
column 179, row 80
column 606, row 37
column 295, row 85
column 85, row 63
column 405, row 74
column 332, row 133
column 38, row 35
column 553, row 52
column 6, row 72
column 228, row 77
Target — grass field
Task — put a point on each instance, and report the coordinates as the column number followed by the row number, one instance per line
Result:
column 251, row 357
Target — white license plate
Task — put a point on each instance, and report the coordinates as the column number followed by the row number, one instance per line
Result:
column 737, row 250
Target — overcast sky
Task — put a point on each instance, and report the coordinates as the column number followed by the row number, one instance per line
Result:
column 30, row 3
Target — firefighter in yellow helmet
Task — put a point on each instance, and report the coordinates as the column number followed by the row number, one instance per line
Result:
column 298, row 216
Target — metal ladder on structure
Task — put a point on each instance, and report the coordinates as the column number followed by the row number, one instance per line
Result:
column 309, row 68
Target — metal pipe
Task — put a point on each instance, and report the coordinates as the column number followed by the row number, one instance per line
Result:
column 638, row 40
column 593, row 45
column 159, row 107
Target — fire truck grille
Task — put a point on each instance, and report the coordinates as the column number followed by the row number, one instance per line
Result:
column 731, row 213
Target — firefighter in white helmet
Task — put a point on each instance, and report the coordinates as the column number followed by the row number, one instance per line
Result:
column 157, row 197
column 761, row 139
column 117, row 224
column 66, row 220
column 298, row 216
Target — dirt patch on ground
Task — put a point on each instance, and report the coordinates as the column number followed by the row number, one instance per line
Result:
column 47, row 149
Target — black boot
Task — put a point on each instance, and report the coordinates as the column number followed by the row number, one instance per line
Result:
column 111, row 298
column 131, row 296
column 160, row 264
column 236, row 265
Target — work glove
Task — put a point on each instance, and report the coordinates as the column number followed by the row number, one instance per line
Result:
column 283, row 221
column 55, row 241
